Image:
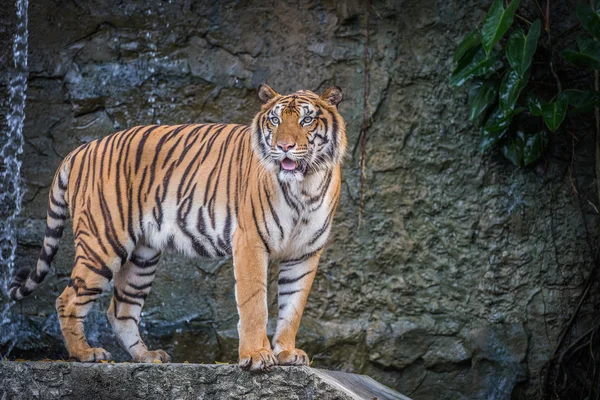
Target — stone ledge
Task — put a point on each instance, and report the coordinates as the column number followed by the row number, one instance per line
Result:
column 54, row 380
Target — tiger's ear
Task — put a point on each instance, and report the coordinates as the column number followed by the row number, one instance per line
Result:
column 265, row 93
column 333, row 95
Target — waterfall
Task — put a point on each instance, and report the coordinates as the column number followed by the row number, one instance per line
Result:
column 11, row 147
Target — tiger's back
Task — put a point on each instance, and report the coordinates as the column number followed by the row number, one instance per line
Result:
column 175, row 186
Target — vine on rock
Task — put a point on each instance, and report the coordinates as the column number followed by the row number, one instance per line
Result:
column 517, row 99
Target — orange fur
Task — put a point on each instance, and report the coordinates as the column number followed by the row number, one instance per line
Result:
column 262, row 192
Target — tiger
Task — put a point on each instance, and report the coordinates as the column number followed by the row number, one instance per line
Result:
column 258, row 193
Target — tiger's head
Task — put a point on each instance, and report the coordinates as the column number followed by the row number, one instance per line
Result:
column 298, row 134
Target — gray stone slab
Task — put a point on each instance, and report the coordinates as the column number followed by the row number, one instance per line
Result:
column 54, row 380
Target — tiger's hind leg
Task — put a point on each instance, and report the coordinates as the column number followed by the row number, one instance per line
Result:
column 132, row 285
column 91, row 275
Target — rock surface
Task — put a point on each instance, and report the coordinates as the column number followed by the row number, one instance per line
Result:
column 50, row 380
column 459, row 278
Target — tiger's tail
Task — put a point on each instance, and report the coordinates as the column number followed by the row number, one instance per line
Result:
column 26, row 280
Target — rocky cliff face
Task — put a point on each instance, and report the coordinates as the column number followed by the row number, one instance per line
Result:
column 463, row 270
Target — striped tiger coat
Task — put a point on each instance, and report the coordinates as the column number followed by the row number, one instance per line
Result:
column 263, row 192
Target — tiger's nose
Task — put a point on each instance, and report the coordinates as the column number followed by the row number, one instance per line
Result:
column 285, row 147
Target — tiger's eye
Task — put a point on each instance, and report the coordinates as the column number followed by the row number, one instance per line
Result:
column 275, row 120
column 307, row 120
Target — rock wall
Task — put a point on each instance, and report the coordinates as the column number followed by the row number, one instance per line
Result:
column 464, row 268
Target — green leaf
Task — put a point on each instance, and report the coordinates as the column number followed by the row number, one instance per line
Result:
column 520, row 47
column 482, row 95
column 589, row 46
column 470, row 41
column 496, row 23
column 533, row 148
column 554, row 113
column 588, row 55
column 534, row 104
column 510, row 88
column 581, row 60
column 589, row 19
column 582, row 100
column 494, row 129
column 512, row 148
column 524, row 148
column 473, row 66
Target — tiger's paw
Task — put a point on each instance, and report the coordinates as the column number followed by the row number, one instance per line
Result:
column 156, row 357
column 92, row 355
column 293, row 357
column 259, row 360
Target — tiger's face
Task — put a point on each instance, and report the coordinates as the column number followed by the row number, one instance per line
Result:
column 298, row 134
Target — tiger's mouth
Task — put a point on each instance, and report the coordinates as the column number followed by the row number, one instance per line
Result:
column 290, row 166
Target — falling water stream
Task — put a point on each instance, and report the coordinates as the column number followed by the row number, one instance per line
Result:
column 11, row 147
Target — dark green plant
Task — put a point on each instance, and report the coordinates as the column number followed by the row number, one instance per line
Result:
column 501, row 100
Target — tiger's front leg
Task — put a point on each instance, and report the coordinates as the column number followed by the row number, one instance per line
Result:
column 250, row 260
column 295, row 280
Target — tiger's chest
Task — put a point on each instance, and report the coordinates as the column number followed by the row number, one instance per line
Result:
column 305, row 214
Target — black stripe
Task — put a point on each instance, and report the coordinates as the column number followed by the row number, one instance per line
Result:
column 288, row 293
column 24, row 290
column 55, row 233
column 38, row 276
column 83, row 303
column 88, row 292
column 56, row 203
column 140, row 287
column 285, row 281
column 274, row 213
column 117, row 247
column 135, row 295
column 144, row 263
column 134, row 319
column 121, row 299
column 59, row 216
column 301, row 258
column 322, row 230
column 140, row 148
column 104, row 270
column 62, row 186
column 48, row 257
column 145, row 273
column 262, row 238
column 159, row 146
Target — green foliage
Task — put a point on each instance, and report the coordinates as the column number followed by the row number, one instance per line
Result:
column 501, row 100
column 482, row 96
column 471, row 41
column 555, row 112
column 588, row 55
column 473, row 64
column 510, row 89
column 590, row 19
column 496, row 23
column 523, row 149
column 494, row 129
column 582, row 100
column 520, row 48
